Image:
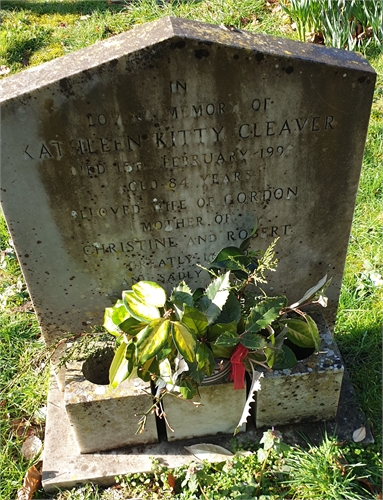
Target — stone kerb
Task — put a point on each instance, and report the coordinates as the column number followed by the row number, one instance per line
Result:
column 143, row 155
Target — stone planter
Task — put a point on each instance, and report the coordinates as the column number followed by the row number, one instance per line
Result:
column 103, row 418
column 308, row 392
column 218, row 411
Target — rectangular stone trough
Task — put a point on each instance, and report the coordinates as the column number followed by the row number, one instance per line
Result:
column 218, row 411
column 308, row 392
column 103, row 418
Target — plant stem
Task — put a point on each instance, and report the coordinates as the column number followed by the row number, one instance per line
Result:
column 262, row 471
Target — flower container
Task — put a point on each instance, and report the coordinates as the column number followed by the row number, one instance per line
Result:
column 217, row 411
column 308, row 392
column 103, row 418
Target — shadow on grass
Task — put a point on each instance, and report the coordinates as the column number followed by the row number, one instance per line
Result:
column 76, row 7
column 66, row 7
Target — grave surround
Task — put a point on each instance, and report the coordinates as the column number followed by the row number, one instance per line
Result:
column 145, row 154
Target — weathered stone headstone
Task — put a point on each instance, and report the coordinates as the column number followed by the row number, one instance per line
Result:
column 145, row 154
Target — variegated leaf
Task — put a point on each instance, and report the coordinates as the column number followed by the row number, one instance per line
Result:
column 185, row 341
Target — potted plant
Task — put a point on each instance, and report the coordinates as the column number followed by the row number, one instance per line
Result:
column 176, row 343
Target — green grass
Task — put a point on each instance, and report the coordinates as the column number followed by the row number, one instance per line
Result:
column 360, row 315
column 24, row 385
column 37, row 31
column 319, row 473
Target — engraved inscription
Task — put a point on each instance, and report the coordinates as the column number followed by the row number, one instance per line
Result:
column 182, row 179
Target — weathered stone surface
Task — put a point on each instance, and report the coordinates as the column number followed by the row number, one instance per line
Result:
column 145, row 154
column 103, row 418
column 65, row 467
column 308, row 392
column 219, row 412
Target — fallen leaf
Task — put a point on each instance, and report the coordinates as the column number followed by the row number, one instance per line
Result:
column 359, row 434
column 31, row 447
column 31, row 483
column 367, row 484
column 209, row 452
column 171, row 481
column 21, row 427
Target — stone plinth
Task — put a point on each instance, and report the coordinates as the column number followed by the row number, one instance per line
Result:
column 103, row 418
column 308, row 392
column 64, row 466
column 219, row 412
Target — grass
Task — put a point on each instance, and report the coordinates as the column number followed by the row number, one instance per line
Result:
column 359, row 322
column 33, row 32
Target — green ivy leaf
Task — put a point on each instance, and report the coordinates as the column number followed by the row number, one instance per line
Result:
column 231, row 311
column 228, row 339
column 150, row 293
column 218, row 329
column 289, row 359
column 122, row 364
column 138, row 309
column 131, row 326
column 195, row 320
column 274, row 356
column 145, row 371
column 205, row 359
column 231, row 258
column 303, row 333
column 244, row 246
column 222, row 351
column 215, row 297
column 185, row 341
column 187, row 389
column 264, row 313
column 253, row 341
column 115, row 315
column 152, row 339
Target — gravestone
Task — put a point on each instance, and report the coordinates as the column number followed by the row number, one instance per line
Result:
column 142, row 156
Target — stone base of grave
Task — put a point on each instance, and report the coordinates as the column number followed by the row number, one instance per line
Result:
column 103, row 418
column 308, row 392
column 219, row 413
column 65, row 467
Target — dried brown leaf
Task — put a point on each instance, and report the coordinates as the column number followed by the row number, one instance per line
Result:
column 171, row 481
column 31, row 483
column 367, row 484
column 21, row 427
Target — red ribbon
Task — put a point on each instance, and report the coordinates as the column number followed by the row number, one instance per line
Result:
column 237, row 366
